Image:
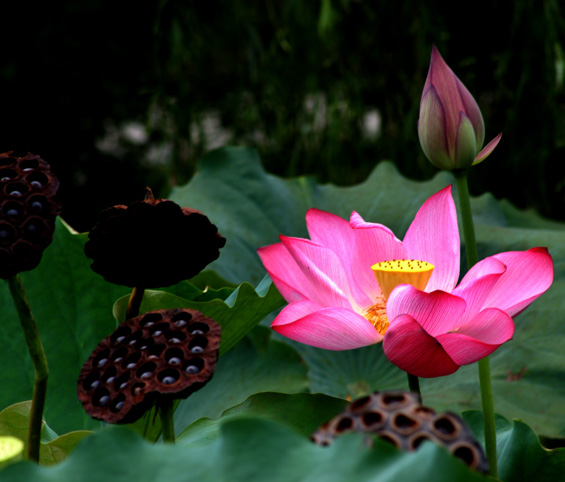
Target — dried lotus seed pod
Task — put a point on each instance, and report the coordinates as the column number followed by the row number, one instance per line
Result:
column 165, row 354
column 399, row 418
column 152, row 243
column 28, row 208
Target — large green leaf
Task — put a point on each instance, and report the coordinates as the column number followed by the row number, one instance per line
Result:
column 251, row 208
column 243, row 308
column 256, row 364
column 14, row 421
column 266, row 438
column 520, row 454
column 73, row 310
column 302, row 411
column 248, row 450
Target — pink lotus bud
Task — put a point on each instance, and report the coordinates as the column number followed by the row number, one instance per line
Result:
column 450, row 127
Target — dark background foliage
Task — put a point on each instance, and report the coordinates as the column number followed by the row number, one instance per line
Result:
column 120, row 95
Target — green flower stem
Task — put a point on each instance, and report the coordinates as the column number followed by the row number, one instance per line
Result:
column 39, row 360
column 414, row 385
column 166, row 412
column 134, row 302
column 484, row 364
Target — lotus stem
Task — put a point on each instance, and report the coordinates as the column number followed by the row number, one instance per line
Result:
column 166, row 412
column 414, row 385
column 39, row 360
column 484, row 364
column 134, row 302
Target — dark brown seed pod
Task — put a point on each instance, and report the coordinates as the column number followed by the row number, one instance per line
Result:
column 152, row 243
column 165, row 354
column 28, row 208
column 400, row 419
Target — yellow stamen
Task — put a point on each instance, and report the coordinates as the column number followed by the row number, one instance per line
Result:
column 396, row 272
column 376, row 315
column 389, row 275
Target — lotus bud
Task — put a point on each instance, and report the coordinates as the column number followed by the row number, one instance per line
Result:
column 450, row 128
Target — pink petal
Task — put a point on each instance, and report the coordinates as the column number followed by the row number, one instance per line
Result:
column 432, row 130
column 528, row 275
column 479, row 338
column 463, row 349
column 433, row 236
column 413, row 350
column 492, row 326
column 484, row 267
column 487, row 150
column 473, row 111
column 327, row 328
column 477, row 284
column 373, row 243
column 336, row 234
column 436, row 312
column 323, row 269
column 285, row 273
column 446, row 84
column 465, row 142
column 332, row 232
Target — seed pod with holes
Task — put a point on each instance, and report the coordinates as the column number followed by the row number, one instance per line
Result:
column 28, row 208
column 152, row 243
column 160, row 355
column 399, row 418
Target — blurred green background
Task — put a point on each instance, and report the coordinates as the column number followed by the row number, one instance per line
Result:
column 120, row 95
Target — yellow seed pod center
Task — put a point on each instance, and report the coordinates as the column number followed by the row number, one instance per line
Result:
column 395, row 272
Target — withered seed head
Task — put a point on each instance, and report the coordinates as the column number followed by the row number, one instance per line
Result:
column 165, row 354
column 399, row 418
column 28, row 208
column 152, row 243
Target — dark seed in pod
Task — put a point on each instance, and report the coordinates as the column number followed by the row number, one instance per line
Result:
column 119, row 406
column 36, row 184
column 120, row 339
column 180, row 323
column 149, row 323
column 94, row 384
column 157, row 333
column 5, row 179
column 197, row 349
column 174, row 361
column 36, row 206
column 174, row 340
column 197, row 332
column 102, row 362
column 13, row 213
column 152, row 357
column 15, row 193
column 4, row 234
column 192, row 369
column 104, row 400
column 123, row 385
column 119, row 359
column 110, row 379
column 168, row 380
column 132, row 342
column 146, row 374
column 144, row 347
column 27, row 169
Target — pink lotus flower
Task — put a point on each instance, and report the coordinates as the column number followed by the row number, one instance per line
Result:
column 450, row 127
column 429, row 330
